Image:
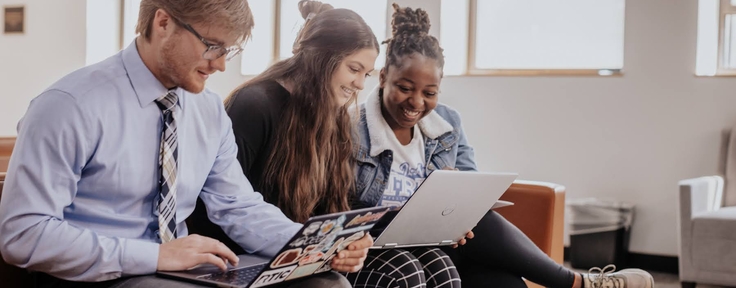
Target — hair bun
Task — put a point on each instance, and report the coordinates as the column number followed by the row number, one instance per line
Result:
column 407, row 20
column 307, row 7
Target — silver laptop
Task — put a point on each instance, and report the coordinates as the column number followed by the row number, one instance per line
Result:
column 309, row 252
column 443, row 209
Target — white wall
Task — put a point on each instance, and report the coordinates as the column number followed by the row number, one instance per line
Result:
column 629, row 138
column 52, row 46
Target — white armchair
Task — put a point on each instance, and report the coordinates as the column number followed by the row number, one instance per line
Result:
column 707, row 224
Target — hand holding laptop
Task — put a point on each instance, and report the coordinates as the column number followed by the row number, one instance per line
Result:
column 351, row 259
column 470, row 235
column 193, row 250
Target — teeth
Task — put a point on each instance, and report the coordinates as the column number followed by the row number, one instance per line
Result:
column 411, row 113
column 348, row 91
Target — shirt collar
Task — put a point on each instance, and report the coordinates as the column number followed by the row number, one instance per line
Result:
column 432, row 126
column 147, row 88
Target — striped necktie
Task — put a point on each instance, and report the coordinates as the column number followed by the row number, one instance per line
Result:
column 167, row 168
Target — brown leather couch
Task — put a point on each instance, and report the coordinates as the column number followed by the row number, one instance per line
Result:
column 6, row 148
column 539, row 212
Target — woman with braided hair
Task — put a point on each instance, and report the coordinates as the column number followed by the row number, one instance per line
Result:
column 294, row 136
column 404, row 134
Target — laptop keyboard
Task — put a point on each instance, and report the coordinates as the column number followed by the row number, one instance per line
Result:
column 239, row 276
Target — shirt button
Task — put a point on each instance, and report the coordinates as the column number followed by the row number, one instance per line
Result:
column 431, row 166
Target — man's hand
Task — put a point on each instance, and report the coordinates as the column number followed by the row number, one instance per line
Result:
column 193, row 250
column 351, row 259
column 470, row 235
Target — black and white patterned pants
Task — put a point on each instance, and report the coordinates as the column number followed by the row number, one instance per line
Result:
column 414, row 267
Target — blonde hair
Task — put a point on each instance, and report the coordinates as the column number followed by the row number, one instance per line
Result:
column 233, row 15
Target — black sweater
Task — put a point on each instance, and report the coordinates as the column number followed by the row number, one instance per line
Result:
column 256, row 112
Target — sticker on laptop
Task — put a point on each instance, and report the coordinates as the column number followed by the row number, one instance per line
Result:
column 273, row 276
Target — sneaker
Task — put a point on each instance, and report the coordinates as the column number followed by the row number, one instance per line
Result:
column 627, row 278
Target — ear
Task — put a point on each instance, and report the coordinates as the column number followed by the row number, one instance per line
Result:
column 382, row 77
column 162, row 24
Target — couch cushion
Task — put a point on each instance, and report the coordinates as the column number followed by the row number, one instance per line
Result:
column 714, row 240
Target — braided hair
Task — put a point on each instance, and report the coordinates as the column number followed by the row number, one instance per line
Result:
column 410, row 34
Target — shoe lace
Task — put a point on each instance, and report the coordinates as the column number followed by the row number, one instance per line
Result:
column 602, row 276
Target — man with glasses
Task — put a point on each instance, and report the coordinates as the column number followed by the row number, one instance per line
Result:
column 111, row 159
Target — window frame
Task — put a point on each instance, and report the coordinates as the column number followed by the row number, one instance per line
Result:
column 472, row 70
column 724, row 8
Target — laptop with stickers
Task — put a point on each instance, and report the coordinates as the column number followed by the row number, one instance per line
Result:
column 309, row 252
column 442, row 210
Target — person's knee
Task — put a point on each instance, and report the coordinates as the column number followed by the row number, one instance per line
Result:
column 397, row 264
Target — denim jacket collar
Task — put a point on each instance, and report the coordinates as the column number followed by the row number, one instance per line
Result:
column 432, row 126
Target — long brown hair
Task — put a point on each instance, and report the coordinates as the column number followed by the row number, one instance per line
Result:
column 311, row 164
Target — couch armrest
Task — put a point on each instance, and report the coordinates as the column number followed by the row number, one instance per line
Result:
column 697, row 196
column 700, row 195
column 538, row 211
column 6, row 148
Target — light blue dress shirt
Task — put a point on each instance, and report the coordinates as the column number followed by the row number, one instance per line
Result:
column 79, row 197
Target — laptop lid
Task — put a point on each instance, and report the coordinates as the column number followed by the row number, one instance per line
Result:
column 443, row 209
column 309, row 252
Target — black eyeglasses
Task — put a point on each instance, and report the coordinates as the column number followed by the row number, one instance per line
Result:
column 213, row 51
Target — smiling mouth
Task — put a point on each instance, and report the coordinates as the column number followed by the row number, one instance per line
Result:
column 348, row 92
column 411, row 114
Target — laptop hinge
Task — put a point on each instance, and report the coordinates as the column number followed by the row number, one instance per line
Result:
column 446, row 242
column 389, row 245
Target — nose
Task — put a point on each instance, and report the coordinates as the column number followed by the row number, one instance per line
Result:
column 416, row 100
column 219, row 63
column 359, row 82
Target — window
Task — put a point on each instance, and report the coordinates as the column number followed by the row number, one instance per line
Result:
column 716, row 50
column 103, row 29
column 130, row 10
column 373, row 12
column 529, row 37
column 258, row 52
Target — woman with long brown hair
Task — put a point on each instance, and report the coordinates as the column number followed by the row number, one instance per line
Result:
column 294, row 136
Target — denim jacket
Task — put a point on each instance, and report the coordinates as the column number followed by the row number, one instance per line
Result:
column 445, row 147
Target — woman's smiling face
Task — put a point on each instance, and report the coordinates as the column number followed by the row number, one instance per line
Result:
column 410, row 90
